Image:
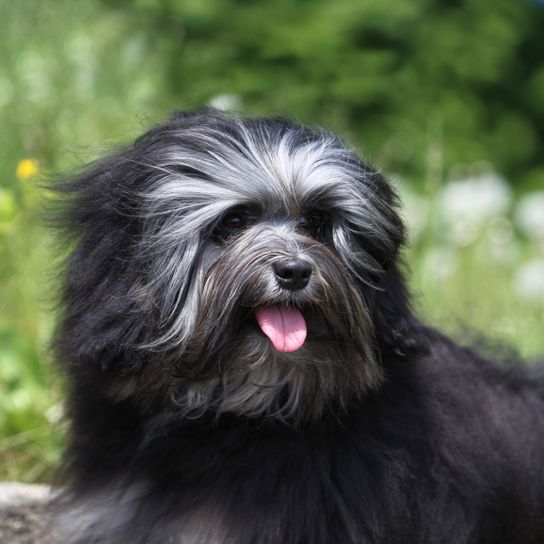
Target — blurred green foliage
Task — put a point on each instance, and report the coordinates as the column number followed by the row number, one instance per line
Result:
column 425, row 88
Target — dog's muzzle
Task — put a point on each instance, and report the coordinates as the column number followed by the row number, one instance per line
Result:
column 285, row 325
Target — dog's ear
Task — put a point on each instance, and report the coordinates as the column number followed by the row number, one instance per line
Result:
column 398, row 331
column 388, row 202
column 379, row 232
column 103, row 214
column 97, row 216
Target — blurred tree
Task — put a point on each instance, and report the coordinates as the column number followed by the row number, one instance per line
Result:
column 402, row 77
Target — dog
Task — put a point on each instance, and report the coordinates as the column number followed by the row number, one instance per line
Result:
column 244, row 365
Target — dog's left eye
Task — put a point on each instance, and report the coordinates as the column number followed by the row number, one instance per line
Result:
column 316, row 223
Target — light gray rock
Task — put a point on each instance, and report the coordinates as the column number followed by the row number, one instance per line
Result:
column 24, row 513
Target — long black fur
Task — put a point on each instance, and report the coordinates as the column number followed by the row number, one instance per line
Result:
column 437, row 446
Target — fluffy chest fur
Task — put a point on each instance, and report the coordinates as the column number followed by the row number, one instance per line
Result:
column 384, row 471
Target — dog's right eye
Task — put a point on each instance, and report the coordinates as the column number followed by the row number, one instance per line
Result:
column 231, row 224
column 234, row 221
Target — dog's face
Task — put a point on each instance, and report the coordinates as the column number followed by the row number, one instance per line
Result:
column 244, row 255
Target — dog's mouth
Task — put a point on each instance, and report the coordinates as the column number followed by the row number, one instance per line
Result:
column 284, row 325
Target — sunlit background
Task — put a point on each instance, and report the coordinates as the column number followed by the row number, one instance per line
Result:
column 445, row 96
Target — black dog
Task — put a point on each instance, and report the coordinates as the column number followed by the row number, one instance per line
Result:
column 245, row 367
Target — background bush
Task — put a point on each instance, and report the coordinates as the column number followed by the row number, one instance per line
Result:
column 446, row 96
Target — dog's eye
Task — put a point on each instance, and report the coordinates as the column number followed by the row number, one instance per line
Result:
column 234, row 221
column 231, row 224
column 315, row 222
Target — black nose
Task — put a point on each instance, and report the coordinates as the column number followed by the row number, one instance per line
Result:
column 292, row 274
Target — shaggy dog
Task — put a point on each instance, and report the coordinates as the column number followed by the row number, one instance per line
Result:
column 245, row 368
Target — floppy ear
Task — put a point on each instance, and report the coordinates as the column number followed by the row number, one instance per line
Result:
column 386, row 202
column 398, row 331
column 106, row 308
column 102, row 316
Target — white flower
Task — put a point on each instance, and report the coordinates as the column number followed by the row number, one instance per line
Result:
column 54, row 413
column 225, row 102
column 500, row 239
column 530, row 215
column 467, row 205
column 529, row 281
column 478, row 198
column 439, row 263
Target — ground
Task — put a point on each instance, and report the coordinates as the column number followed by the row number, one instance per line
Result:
column 23, row 513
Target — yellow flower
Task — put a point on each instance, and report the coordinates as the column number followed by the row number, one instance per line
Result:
column 26, row 169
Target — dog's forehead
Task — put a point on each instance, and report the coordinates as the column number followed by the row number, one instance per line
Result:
column 279, row 172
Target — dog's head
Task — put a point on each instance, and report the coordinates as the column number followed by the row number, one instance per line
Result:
column 229, row 265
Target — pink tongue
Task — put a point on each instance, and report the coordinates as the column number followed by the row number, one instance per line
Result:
column 284, row 325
